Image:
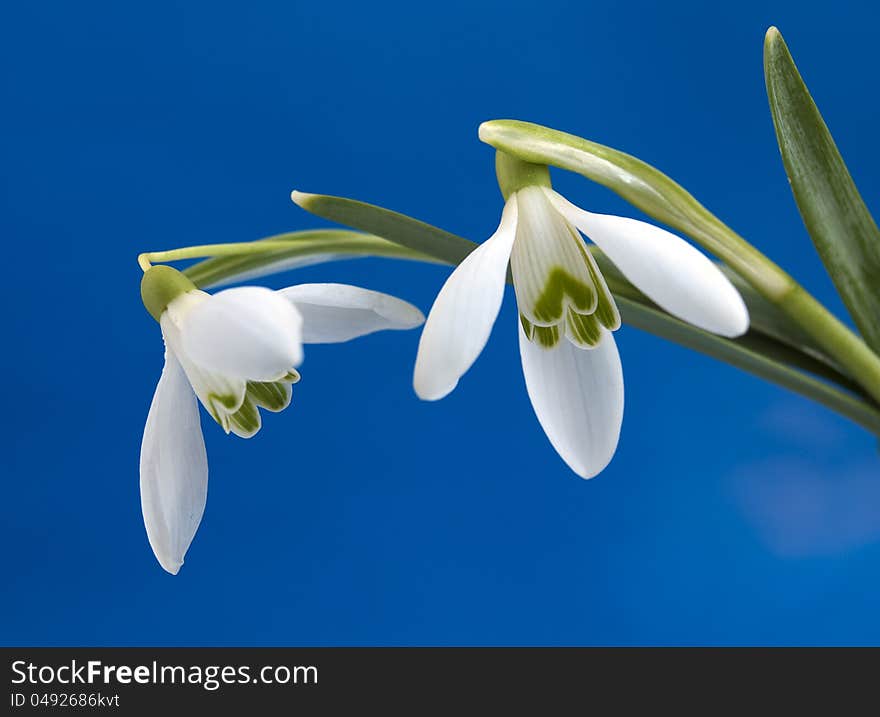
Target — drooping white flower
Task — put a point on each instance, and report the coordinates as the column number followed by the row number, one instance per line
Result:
column 236, row 351
column 567, row 314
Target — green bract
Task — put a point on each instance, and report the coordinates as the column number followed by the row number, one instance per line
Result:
column 234, row 262
column 639, row 183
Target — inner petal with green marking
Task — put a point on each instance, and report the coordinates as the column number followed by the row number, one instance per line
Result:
column 271, row 395
column 559, row 289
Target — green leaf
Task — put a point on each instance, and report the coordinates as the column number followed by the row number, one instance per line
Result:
column 755, row 354
column 768, row 319
column 399, row 228
column 771, row 332
column 833, row 211
column 306, row 247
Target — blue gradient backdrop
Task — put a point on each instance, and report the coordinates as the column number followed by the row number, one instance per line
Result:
column 733, row 513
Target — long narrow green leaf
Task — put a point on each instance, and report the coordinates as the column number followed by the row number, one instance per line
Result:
column 766, row 318
column 399, row 228
column 839, row 223
column 752, row 355
column 771, row 321
column 306, row 247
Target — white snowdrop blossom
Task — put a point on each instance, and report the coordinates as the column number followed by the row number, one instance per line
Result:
column 235, row 351
column 567, row 314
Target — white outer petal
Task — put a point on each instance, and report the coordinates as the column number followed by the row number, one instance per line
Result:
column 667, row 269
column 338, row 312
column 174, row 467
column 249, row 332
column 578, row 399
column 464, row 312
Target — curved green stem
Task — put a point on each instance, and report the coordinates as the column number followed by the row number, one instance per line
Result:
column 287, row 251
column 200, row 251
column 277, row 253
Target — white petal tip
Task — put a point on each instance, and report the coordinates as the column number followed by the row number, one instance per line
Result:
column 739, row 324
column 333, row 313
column 731, row 321
column 584, row 471
column 170, row 566
column 587, row 472
column 416, row 319
column 578, row 398
column 404, row 316
column 428, row 391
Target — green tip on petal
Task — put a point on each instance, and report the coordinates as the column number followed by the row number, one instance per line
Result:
column 545, row 336
column 561, row 289
column 160, row 285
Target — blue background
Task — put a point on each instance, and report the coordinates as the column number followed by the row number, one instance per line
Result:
column 734, row 512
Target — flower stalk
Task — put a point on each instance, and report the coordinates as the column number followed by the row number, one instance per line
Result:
column 201, row 251
column 229, row 262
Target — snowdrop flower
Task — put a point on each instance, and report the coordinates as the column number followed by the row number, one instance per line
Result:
column 567, row 314
column 236, row 351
